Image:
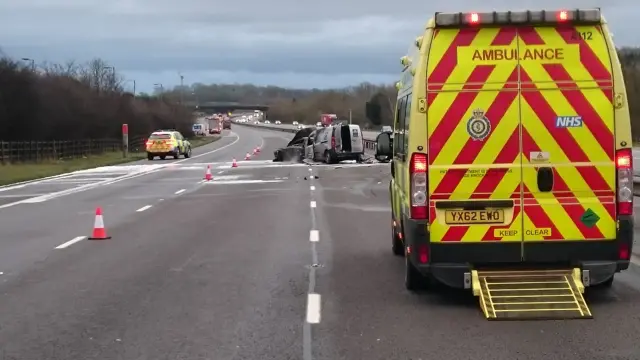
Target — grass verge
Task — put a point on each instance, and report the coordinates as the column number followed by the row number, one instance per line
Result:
column 13, row 173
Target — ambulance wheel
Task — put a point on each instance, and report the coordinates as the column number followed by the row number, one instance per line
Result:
column 150, row 157
column 608, row 283
column 413, row 279
column 176, row 155
column 396, row 243
column 188, row 153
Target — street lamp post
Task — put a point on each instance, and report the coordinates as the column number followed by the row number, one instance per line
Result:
column 161, row 88
column 134, row 86
column 33, row 63
column 181, row 88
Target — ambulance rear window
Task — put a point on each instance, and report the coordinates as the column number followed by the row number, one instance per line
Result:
column 159, row 136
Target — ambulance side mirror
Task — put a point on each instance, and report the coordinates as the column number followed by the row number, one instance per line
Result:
column 383, row 144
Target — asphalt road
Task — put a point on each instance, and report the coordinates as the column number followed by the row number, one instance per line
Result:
column 264, row 262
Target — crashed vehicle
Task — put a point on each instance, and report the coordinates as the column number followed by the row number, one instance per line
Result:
column 294, row 151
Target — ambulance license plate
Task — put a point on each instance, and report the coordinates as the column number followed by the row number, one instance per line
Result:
column 466, row 217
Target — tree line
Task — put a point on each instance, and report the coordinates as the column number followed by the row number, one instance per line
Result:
column 78, row 102
column 73, row 101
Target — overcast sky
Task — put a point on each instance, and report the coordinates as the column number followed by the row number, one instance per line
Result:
column 296, row 43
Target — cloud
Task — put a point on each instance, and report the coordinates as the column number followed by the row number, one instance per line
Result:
column 285, row 42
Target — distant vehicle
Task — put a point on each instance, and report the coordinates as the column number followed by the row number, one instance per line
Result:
column 318, row 124
column 294, row 123
column 165, row 143
column 327, row 119
column 216, row 128
column 226, row 124
column 386, row 129
column 278, row 122
column 267, row 122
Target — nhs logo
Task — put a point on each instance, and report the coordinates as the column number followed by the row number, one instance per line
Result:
column 568, row 121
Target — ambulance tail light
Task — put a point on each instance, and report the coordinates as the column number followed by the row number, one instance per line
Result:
column 528, row 17
column 419, row 186
column 423, row 253
column 333, row 141
column 624, row 169
column 623, row 251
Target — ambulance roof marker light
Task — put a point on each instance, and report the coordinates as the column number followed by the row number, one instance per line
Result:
column 474, row 18
column 563, row 15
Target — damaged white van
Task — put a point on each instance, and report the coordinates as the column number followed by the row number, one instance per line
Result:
column 336, row 143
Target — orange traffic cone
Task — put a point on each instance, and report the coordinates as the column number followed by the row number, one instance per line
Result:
column 255, row 151
column 207, row 174
column 258, row 149
column 234, row 163
column 248, row 157
column 99, row 232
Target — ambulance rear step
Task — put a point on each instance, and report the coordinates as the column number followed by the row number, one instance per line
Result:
column 531, row 294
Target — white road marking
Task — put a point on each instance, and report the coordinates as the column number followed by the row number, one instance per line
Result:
column 312, row 187
column 144, row 208
column 19, row 196
column 236, row 182
column 313, row 204
column 314, row 236
column 310, row 170
column 71, row 242
column 313, row 308
column 180, row 191
column 94, row 185
column 221, row 172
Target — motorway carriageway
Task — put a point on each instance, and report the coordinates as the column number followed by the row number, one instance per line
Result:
column 258, row 264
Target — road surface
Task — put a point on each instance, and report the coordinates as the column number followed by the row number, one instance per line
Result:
column 265, row 262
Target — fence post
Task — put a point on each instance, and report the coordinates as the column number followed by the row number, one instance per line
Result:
column 125, row 140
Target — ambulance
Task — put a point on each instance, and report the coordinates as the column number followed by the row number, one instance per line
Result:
column 512, row 160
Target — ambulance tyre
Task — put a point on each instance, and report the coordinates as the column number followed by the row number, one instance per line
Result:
column 150, row 157
column 413, row 279
column 608, row 283
column 188, row 153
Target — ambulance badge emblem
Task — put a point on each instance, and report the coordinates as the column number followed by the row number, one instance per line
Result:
column 479, row 126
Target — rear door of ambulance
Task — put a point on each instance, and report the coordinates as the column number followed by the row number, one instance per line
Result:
column 473, row 143
column 567, row 141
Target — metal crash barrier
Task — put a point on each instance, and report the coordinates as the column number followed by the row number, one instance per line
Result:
column 530, row 295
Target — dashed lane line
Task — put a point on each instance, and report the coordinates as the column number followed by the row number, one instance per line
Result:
column 180, row 191
column 313, row 308
column 313, row 311
column 144, row 208
column 71, row 242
